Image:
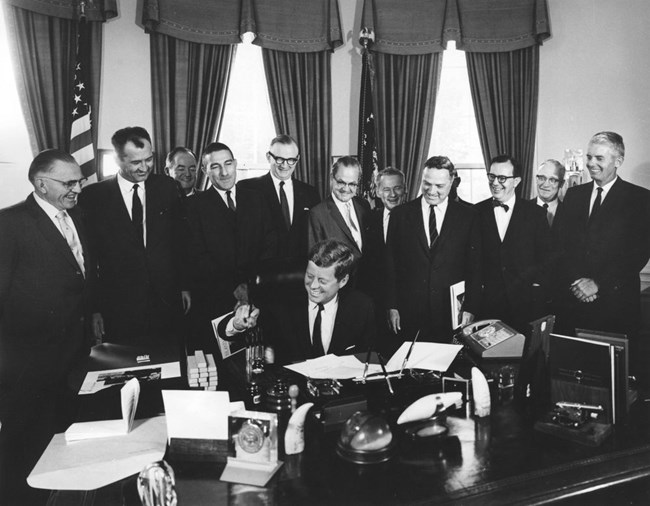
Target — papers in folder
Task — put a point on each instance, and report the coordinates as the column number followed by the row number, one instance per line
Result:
column 129, row 395
column 429, row 356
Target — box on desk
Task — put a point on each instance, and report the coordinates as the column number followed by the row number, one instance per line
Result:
column 588, row 382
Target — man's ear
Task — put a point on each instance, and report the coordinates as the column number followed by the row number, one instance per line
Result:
column 517, row 181
column 344, row 281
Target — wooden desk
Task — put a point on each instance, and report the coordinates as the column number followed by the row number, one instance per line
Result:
column 500, row 460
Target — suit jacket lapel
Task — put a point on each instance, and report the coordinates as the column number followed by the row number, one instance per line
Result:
column 120, row 212
column 418, row 223
column 516, row 221
column 340, row 222
column 51, row 232
column 268, row 189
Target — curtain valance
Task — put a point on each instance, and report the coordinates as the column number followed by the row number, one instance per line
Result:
column 298, row 26
column 425, row 26
column 95, row 10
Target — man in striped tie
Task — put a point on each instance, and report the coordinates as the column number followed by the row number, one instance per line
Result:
column 46, row 280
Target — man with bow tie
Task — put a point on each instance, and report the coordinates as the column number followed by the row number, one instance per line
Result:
column 516, row 249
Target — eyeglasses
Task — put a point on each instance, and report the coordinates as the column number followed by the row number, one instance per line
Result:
column 343, row 184
column 501, row 179
column 542, row 179
column 69, row 185
column 279, row 160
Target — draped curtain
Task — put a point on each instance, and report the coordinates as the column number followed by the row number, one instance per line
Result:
column 504, row 90
column 42, row 40
column 297, row 39
column 300, row 93
column 404, row 104
column 489, row 31
column 189, row 82
column 191, row 66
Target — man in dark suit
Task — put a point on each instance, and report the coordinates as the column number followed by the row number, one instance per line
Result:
column 46, row 280
column 225, row 242
column 549, row 180
column 604, row 233
column 180, row 165
column 286, row 200
column 432, row 244
column 342, row 215
column 516, row 249
column 323, row 319
column 136, row 230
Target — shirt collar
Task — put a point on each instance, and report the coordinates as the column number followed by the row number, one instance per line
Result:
column 276, row 182
column 551, row 205
column 327, row 306
column 442, row 207
column 49, row 209
column 605, row 187
column 126, row 186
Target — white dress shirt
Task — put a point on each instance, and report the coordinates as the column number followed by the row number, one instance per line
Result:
column 224, row 197
column 51, row 212
column 126, row 189
column 328, row 316
column 440, row 210
column 503, row 217
column 288, row 191
column 385, row 221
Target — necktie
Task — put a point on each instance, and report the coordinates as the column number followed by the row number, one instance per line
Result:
column 549, row 216
column 317, row 341
column 496, row 203
column 353, row 227
column 70, row 238
column 136, row 213
column 433, row 230
column 231, row 203
column 596, row 206
column 284, row 204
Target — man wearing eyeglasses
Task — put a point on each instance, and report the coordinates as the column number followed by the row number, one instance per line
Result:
column 549, row 181
column 432, row 244
column 604, row 233
column 516, row 249
column 46, row 282
column 286, row 200
column 137, row 231
column 342, row 215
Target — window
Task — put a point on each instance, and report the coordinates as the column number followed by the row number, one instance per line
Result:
column 15, row 150
column 455, row 134
column 247, row 126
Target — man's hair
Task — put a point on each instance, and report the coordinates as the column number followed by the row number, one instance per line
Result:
column 345, row 161
column 137, row 135
column 389, row 171
column 283, row 139
column 441, row 162
column 213, row 147
column 516, row 166
column 559, row 167
column 613, row 139
column 169, row 161
column 45, row 160
column 332, row 252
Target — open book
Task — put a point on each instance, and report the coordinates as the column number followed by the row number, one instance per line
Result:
column 129, row 394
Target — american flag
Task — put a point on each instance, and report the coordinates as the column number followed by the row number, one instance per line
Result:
column 367, row 148
column 81, row 137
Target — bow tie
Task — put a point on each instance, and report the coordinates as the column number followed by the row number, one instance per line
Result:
column 496, row 203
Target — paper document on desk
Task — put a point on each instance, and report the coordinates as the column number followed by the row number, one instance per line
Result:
column 429, row 356
column 333, row 367
column 95, row 463
column 129, row 395
column 198, row 414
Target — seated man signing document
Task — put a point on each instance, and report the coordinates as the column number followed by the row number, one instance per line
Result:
column 323, row 320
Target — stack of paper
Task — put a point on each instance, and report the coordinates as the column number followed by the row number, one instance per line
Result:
column 129, row 394
column 202, row 371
